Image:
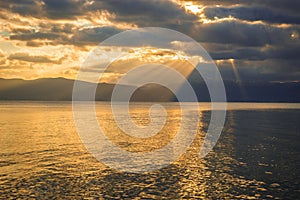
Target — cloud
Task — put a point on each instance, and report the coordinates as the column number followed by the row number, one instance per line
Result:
column 262, row 35
column 53, row 9
column 140, row 12
column 288, row 52
column 93, row 36
column 23, row 7
column 35, row 43
column 148, row 13
column 34, row 58
column 37, row 35
column 261, row 70
column 253, row 14
column 60, row 9
column 213, row 2
column 290, row 6
column 1, row 53
column 242, row 34
column 242, row 53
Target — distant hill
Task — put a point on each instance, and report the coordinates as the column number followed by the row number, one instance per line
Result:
column 60, row 89
column 254, row 91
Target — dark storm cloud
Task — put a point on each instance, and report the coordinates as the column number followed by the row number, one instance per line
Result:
column 145, row 12
column 244, row 53
column 54, row 9
column 289, row 6
column 141, row 12
column 61, row 9
column 23, row 7
column 157, row 8
column 241, row 34
column 29, row 9
column 288, row 52
column 253, row 14
column 93, row 36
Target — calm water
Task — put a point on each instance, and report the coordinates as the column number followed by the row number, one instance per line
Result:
column 257, row 156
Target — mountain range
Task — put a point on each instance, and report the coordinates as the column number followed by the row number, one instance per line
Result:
column 60, row 89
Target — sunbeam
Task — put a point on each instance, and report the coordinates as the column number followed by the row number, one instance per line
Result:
column 238, row 78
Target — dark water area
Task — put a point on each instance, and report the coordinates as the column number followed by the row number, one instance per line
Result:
column 256, row 157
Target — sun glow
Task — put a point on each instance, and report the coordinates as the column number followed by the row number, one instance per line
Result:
column 195, row 9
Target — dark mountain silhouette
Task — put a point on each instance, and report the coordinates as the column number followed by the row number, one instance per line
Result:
column 254, row 91
column 60, row 89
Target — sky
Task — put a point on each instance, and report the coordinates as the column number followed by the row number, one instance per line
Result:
column 255, row 40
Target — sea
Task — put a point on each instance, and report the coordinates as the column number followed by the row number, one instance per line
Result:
column 256, row 157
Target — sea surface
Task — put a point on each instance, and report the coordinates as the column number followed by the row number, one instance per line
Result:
column 256, row 157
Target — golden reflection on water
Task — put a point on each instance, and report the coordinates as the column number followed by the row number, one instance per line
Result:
column 140, row 115
column 41, row 156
